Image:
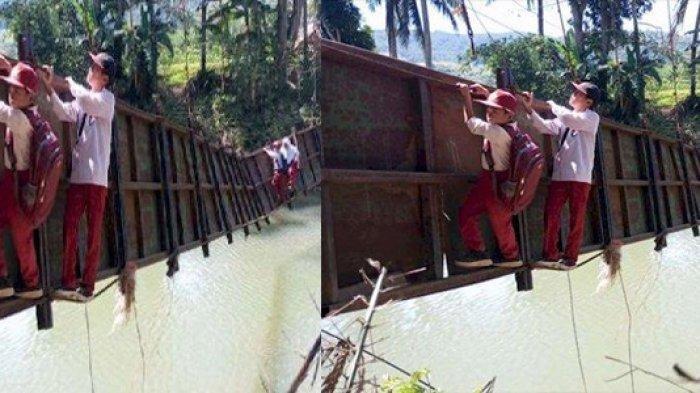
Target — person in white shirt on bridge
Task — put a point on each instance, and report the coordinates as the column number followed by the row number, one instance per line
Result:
column 573, row 166
column 93, row 112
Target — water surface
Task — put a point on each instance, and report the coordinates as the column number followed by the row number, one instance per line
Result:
column 467, row 336
column 238, row 321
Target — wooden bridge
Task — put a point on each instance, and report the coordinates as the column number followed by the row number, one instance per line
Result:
column 171, row 190
column 399, row 161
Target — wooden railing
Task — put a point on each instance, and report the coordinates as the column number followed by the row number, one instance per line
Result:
column 399, row 161
column 170, row 191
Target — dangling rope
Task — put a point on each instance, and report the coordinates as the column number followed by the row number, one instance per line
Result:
column 629, row 330
column 87, row 326
column 573, row 324
column 143, row 355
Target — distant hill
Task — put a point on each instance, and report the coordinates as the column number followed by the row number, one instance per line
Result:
column 448, row 48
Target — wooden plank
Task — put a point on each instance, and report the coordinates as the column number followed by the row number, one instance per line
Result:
column 250, row 203
column 200, row 213
column 626, row 227
column 361, row 176
column 227, row 225
column 437, row 237
column 164, row 159
column 329, row 270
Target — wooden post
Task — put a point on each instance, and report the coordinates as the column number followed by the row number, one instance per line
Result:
column 689, row 198
column 602, row 182
column 255, row 194
column 164, row 176
column 236, row 203
column 44, row 315
column 656, row 194
column 302, row 177
column 434, row 205
column 201, row 214
column 238, row 191
column 329, row 269
column 252, row 203
column 523, row 279
column 219, row 195
column 266, row 192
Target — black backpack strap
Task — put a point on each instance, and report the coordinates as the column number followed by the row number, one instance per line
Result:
column 563, row 138
column 81, row 127
column 10, row 151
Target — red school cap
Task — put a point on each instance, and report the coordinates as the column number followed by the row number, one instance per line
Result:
column 24, row 77
column 500, row 99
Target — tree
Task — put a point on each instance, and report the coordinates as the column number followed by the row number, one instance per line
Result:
column 340, row 21
column 444, row 6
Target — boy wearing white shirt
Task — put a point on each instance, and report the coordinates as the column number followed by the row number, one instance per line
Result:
column 500, row 110
column 93, row 112
column 573, row 166
column 24, row 85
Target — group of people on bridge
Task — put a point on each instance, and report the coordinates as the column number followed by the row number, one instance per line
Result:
column 33, row 166
column 512, row 164
column 285, row 163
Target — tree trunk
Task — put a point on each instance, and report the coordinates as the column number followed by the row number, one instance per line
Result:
column 203, row 39
column 390, row 27
column 282, row 39
column 305, row 30
column 577, row 9
column 638, row 55
column 153, row 42
column 693, row 55
column 540, row 17
column 607, row 19
column 297, row 10
column 427, row 44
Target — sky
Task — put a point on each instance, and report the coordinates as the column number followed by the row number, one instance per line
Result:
column 503, row 16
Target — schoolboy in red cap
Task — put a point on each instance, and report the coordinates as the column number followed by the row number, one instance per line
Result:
column 500, row 109
column 573, row 166
column 93, row 112
column 24, row 85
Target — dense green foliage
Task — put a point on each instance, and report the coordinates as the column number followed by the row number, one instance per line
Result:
column 341, row 21
column 250, row 89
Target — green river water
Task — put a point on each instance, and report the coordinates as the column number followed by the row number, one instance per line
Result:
column 467, row 336
column 238, row 321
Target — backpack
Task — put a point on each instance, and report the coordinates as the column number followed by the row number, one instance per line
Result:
column 36, row 196
column 526, row 166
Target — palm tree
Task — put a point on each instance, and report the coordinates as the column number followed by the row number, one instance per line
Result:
column 678, row 18
column 445, row 7
column 390, row 9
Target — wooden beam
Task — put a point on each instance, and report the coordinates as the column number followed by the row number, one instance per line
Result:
column 434, row 206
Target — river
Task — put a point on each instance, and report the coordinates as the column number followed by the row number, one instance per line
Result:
column 238, row 321
column 526, row 340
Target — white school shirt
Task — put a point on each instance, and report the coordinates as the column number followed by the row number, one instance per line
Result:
column 499, row 139
column 21, row 129
column 290, row 153
column 90, row 162
column 276, row 157
column 573, row 158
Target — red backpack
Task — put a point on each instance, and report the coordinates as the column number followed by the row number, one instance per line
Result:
column 526, row 166
column 37, row 194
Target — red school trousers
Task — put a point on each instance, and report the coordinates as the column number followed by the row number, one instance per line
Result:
column 12, row 217
column 576, row 193
column 82, row 197
column 285, row 180
column 481, row 199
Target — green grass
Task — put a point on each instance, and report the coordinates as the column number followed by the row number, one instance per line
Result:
column 662, row 96
column 174, row 69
